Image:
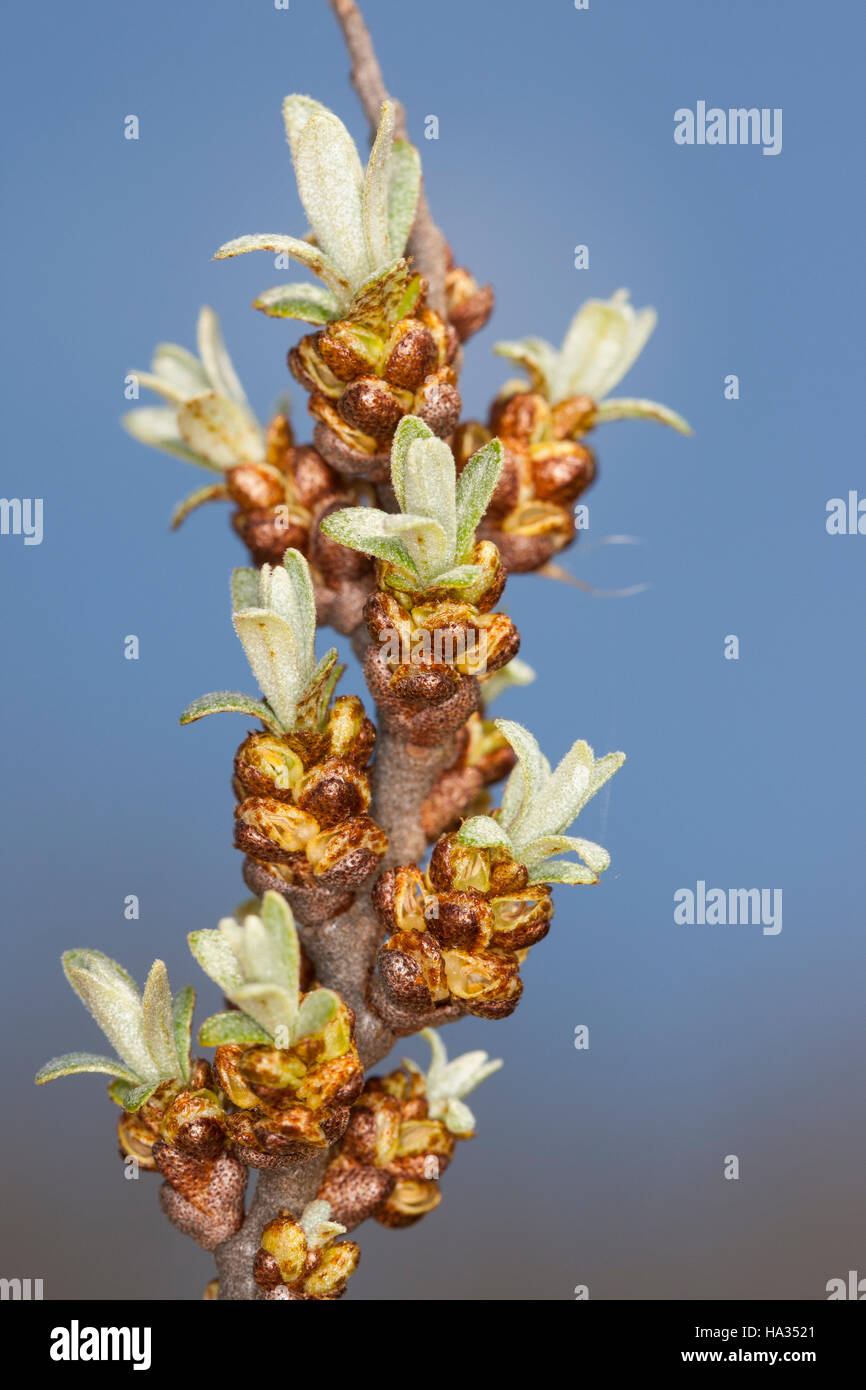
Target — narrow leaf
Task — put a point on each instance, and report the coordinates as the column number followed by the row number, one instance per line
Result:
column 220, row 431
column 275, row 660
column 77, row 1063
column 217, row 959
column 157, row 425
column 245, row 588
column 629, row 408
column 111, row 996
column 178, row 366
column 561, row 871
column 403, row 190
column 376, row 188
column 231, row 702
column 309, row 303
column 366, row 529
column 279, row 924
column 410, row 428
column 330, row 183
column 216, row 361
column 316, row 1011
column 182, row 1006
column 232, row 1027
column 481, row 832
column 159, row 1021
column 475, row 487
column 538, row 359
column 214, row 492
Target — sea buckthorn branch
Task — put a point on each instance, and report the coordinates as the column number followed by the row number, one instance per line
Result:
column 395, row 527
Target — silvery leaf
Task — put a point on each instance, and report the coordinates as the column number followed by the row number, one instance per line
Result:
column 220, row 431
column 376, row 187
column 303, row 251
column 594, row 856
column 217, row 959
column 403, row 191
column 269, row 1004
column 274, row 657
column 157, row 425
column 537, row 357
column 111, row 996
column 534, row 773
column 561, row 871
column 232, row 1027
column 309, row 303
column 475, row 487
column 159, row 1022
column 629, row 408
column 75, row 1063
column 605, row 338
column 279, row 925
column 231, row 702
column 316, row 1011
column 216, row 361
column 182, row 1006
column 429, row 487
column 410, row 428
column 214, row 492
column 370, row 531
column 481, row 832
column 177, row 366
column 330, row 184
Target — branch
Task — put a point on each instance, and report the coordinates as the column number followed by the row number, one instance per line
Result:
column 427, row 245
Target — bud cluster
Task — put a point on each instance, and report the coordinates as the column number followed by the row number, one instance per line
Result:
column 461, row 930
column 303, row 799
column 299, row 1260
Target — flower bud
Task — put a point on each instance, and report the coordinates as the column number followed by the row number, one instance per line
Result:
column 348, row 854
column 488, row 981
column 256, row 485
column 285, row 1241
column 425, row 682
column 506, row 876
column 332, row 792
column 373, row 1133
column 341, row 1080
column 271, row 1067
column 573, row 417
column 195, row 1122
column 522, row 918
column 226, row 1062
column 354, row 1189
column 501, row 641
column 268, row 532
column 349, row 733
column 455, row 866
column 270, row 829
column 561, row 471
column 424, row 1151
column 266, row 765
column 409, row 1201
column 460, row 919
column 412, row 354
column 520, row 419
column 387, row 621
column 369, row 405
column 469, row 304
column 312, row 479
column 336, row 1266
column 400, row 898
column 136, row 1140
column 438, row 402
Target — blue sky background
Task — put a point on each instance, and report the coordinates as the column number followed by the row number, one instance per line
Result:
column 602, row 1167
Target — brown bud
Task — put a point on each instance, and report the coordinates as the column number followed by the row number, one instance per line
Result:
column 268, row 532
column 349, row 733
column 333, row 792
column 425, row 682
column 337, row 564
column 284, row 1240
column 268, row 766
column 469, row 305
column 256, row 485
column 346, row 856
column 339, row 1080
column 271, row 829
column 343, row 360
column 424, row 950
column 502, row 641
column 522, row 918
column 507, row 876
column 271, row 1068
column 136, row 1139
column 521, row 419
column 460, row 919
column 312, row 478
column 487, row 981
column 573, row 417
column 561, row 471
column 195, row 1123
column 412, row 355
column 226, row 1062
column 409, row 1201
column 438, row 402
column 454, row 866
column 403, row 979
column 372, row 407
column 424, row 724
column 373, row 1132
column 354, row 1189
column 205, row 1200
column 278, row 442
